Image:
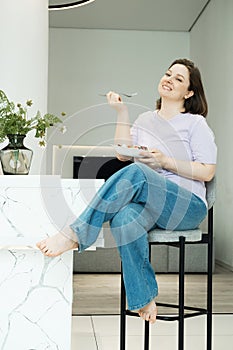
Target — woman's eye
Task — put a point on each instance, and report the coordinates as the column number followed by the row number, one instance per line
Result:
column 180, row 80
column 168, row 74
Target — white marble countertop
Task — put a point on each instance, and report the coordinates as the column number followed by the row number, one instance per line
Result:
column 33, row 207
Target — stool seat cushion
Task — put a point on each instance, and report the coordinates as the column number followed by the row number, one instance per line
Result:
column 158, row 235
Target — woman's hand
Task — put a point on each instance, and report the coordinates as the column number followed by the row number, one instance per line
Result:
column 154, row 158
column 123, row 158
column 115, row 101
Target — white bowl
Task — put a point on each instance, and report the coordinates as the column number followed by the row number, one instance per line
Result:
column 129, row 152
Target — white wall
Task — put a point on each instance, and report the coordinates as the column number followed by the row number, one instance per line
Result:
column 211, row 45
column 84, row 63
column 24, row 61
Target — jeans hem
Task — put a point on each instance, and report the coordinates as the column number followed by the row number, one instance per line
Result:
column 81, row 247
column 139, row 306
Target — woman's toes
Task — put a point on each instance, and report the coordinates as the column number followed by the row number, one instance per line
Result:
column 149, row 312
column 40, row 245
column 145, row 316
column 56, row 245
column 153, row 316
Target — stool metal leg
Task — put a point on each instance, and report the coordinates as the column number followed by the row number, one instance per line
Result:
column 123, row 314
column 210, row 280
column 181, row 294
column 147, row 324
column 146, row 335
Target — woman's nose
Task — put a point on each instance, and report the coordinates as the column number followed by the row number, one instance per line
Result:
column 169, row 79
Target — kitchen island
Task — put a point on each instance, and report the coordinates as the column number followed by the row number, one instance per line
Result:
column 36, row 291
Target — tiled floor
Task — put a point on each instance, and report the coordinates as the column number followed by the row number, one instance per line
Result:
column 102, row 333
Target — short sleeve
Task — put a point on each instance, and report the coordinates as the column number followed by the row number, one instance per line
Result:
column 202, row 143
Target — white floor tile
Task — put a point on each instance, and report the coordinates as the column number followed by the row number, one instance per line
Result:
column 108, row 342
column 113, row 343
column 82, row 342
column 167, row 328
column 223, row 325
column 196, row 326
column 82, row 334
column 164, row 342
column 199, row 342
column 104, row 330
column 222, row 342
column 106, row 325
column 82, row 324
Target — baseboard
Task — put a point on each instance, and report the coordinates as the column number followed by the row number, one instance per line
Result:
column 224, row 265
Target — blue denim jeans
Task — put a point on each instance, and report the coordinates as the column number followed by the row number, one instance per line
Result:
column 134, row 200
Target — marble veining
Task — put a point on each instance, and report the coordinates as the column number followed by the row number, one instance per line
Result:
column 38, row 299
column 36, row 291
column 31, row 211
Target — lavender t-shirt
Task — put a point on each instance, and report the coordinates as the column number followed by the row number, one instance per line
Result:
column 185, row 137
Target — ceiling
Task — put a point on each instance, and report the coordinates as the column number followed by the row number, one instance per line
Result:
column 158, row 15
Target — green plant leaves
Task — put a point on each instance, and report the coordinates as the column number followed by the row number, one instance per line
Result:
column 14, row 120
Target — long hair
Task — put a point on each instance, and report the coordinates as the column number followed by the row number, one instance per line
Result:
column 196, row 104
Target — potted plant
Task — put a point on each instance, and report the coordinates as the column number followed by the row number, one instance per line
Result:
column 14, row 125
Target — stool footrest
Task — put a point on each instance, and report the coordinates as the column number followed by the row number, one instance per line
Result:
column 198, row 312
column 175, row 306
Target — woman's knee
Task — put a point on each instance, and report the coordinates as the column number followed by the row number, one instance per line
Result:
column 129, row 214
column 126, row 225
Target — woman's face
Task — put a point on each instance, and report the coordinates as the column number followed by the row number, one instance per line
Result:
column 175, row 83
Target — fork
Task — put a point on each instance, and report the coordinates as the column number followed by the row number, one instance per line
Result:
column 124, row 94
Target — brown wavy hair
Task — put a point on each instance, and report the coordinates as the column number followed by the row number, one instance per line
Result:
column 196, row 104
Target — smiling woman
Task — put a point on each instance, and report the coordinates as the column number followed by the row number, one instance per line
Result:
column 165, row 188
column 67, row 4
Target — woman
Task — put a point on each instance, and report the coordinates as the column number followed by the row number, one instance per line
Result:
column 164, row 187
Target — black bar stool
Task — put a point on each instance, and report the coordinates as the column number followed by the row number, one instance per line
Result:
column 179, row 239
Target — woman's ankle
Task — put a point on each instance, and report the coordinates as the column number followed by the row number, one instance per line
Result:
column 69, row 233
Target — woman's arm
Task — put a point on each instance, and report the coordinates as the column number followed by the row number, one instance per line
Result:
column 192, row 170
column 122, row 132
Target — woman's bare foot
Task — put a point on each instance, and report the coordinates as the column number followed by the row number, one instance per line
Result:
column 149, row 312
column 57, row 244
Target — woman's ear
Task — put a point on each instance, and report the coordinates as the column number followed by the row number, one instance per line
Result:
column 189, row 94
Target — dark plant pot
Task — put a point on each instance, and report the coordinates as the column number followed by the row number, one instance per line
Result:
column 15, row 157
